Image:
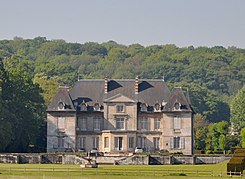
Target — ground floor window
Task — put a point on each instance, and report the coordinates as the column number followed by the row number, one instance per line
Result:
column 61, row 142
column 141, row 142
column 96, row 142
column 106, row 142
column 131, row 142
column 118, row 143
column 156, row 142
column 177, row 143
column 82, row 142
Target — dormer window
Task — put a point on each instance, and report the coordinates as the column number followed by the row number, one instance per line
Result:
column 143, row 107
column 157, row 107
column 83, row 106
column 61, row 106
column 177, row 106
column 96, row 107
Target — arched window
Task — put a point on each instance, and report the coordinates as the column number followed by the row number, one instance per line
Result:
column 157, row 107
column 83, row 106
column 177, row 106
column 96, row 107
column 61, row 106
column 143, row 107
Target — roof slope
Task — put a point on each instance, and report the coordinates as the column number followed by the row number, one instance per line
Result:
column 91, row 91
column 178, row 96
column 62, row 95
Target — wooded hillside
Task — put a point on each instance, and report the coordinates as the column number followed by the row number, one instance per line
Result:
column 36, row 67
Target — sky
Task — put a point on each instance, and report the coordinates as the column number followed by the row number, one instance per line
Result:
column 147, row 22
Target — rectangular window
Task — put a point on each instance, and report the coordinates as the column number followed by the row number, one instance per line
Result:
column 131, row 142
column 82, row 124
column 97, row 124
column 156, row 142
column 118, row 143
column 119, row 123
column 96, row 142
column 176, row 142
column 106, row 142
column 120, row 108
column 82, row 142
column 61, row 142
column 143, row 142
column 156, row 124
column 177, row 123
column 61, row 123
column 144, row 123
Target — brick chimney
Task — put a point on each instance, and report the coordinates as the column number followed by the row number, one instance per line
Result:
column 106, row 85
column 137, row 85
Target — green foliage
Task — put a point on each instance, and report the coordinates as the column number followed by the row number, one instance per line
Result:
column 243, row 137
column 238, row 110
column 217, row 137
column 24, row 109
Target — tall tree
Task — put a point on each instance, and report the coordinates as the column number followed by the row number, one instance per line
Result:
column 238, row 110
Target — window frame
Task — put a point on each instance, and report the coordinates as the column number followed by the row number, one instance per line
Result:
column 106, row 142
column 120, row 123
column 120, row 108
column 157, row 123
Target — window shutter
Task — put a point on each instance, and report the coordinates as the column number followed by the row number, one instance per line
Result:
column 171, row 142
column 182, row 142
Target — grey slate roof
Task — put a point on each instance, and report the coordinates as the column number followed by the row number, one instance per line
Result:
column 62, row 95
column 92, row 91
column 150, row 91
column 178, row 96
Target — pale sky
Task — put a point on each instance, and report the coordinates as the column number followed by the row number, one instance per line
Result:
column 147, row 22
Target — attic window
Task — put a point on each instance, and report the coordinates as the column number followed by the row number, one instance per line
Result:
column 61, row 106
column 83, row 106
column 177, row 106
column 96, row 107
column 143, row 107
column 157, row 107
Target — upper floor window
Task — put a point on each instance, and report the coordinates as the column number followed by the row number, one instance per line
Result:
column 156, row 124
column 82, row 124
column 144, row 123
column 177, row 123
column 119, row 123
column 61, row 106
column 97, row 124
column 120, row 108
column 61, row 122
column 143, row 107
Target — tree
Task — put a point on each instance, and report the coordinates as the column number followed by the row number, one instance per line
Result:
column 243, row 137
column 6, row 127
column 238, row 110
column 200, row 131
column 26, row 104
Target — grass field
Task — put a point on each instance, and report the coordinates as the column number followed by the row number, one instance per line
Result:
column 47, row 171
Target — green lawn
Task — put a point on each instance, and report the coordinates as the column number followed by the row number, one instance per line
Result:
column 47, row 171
